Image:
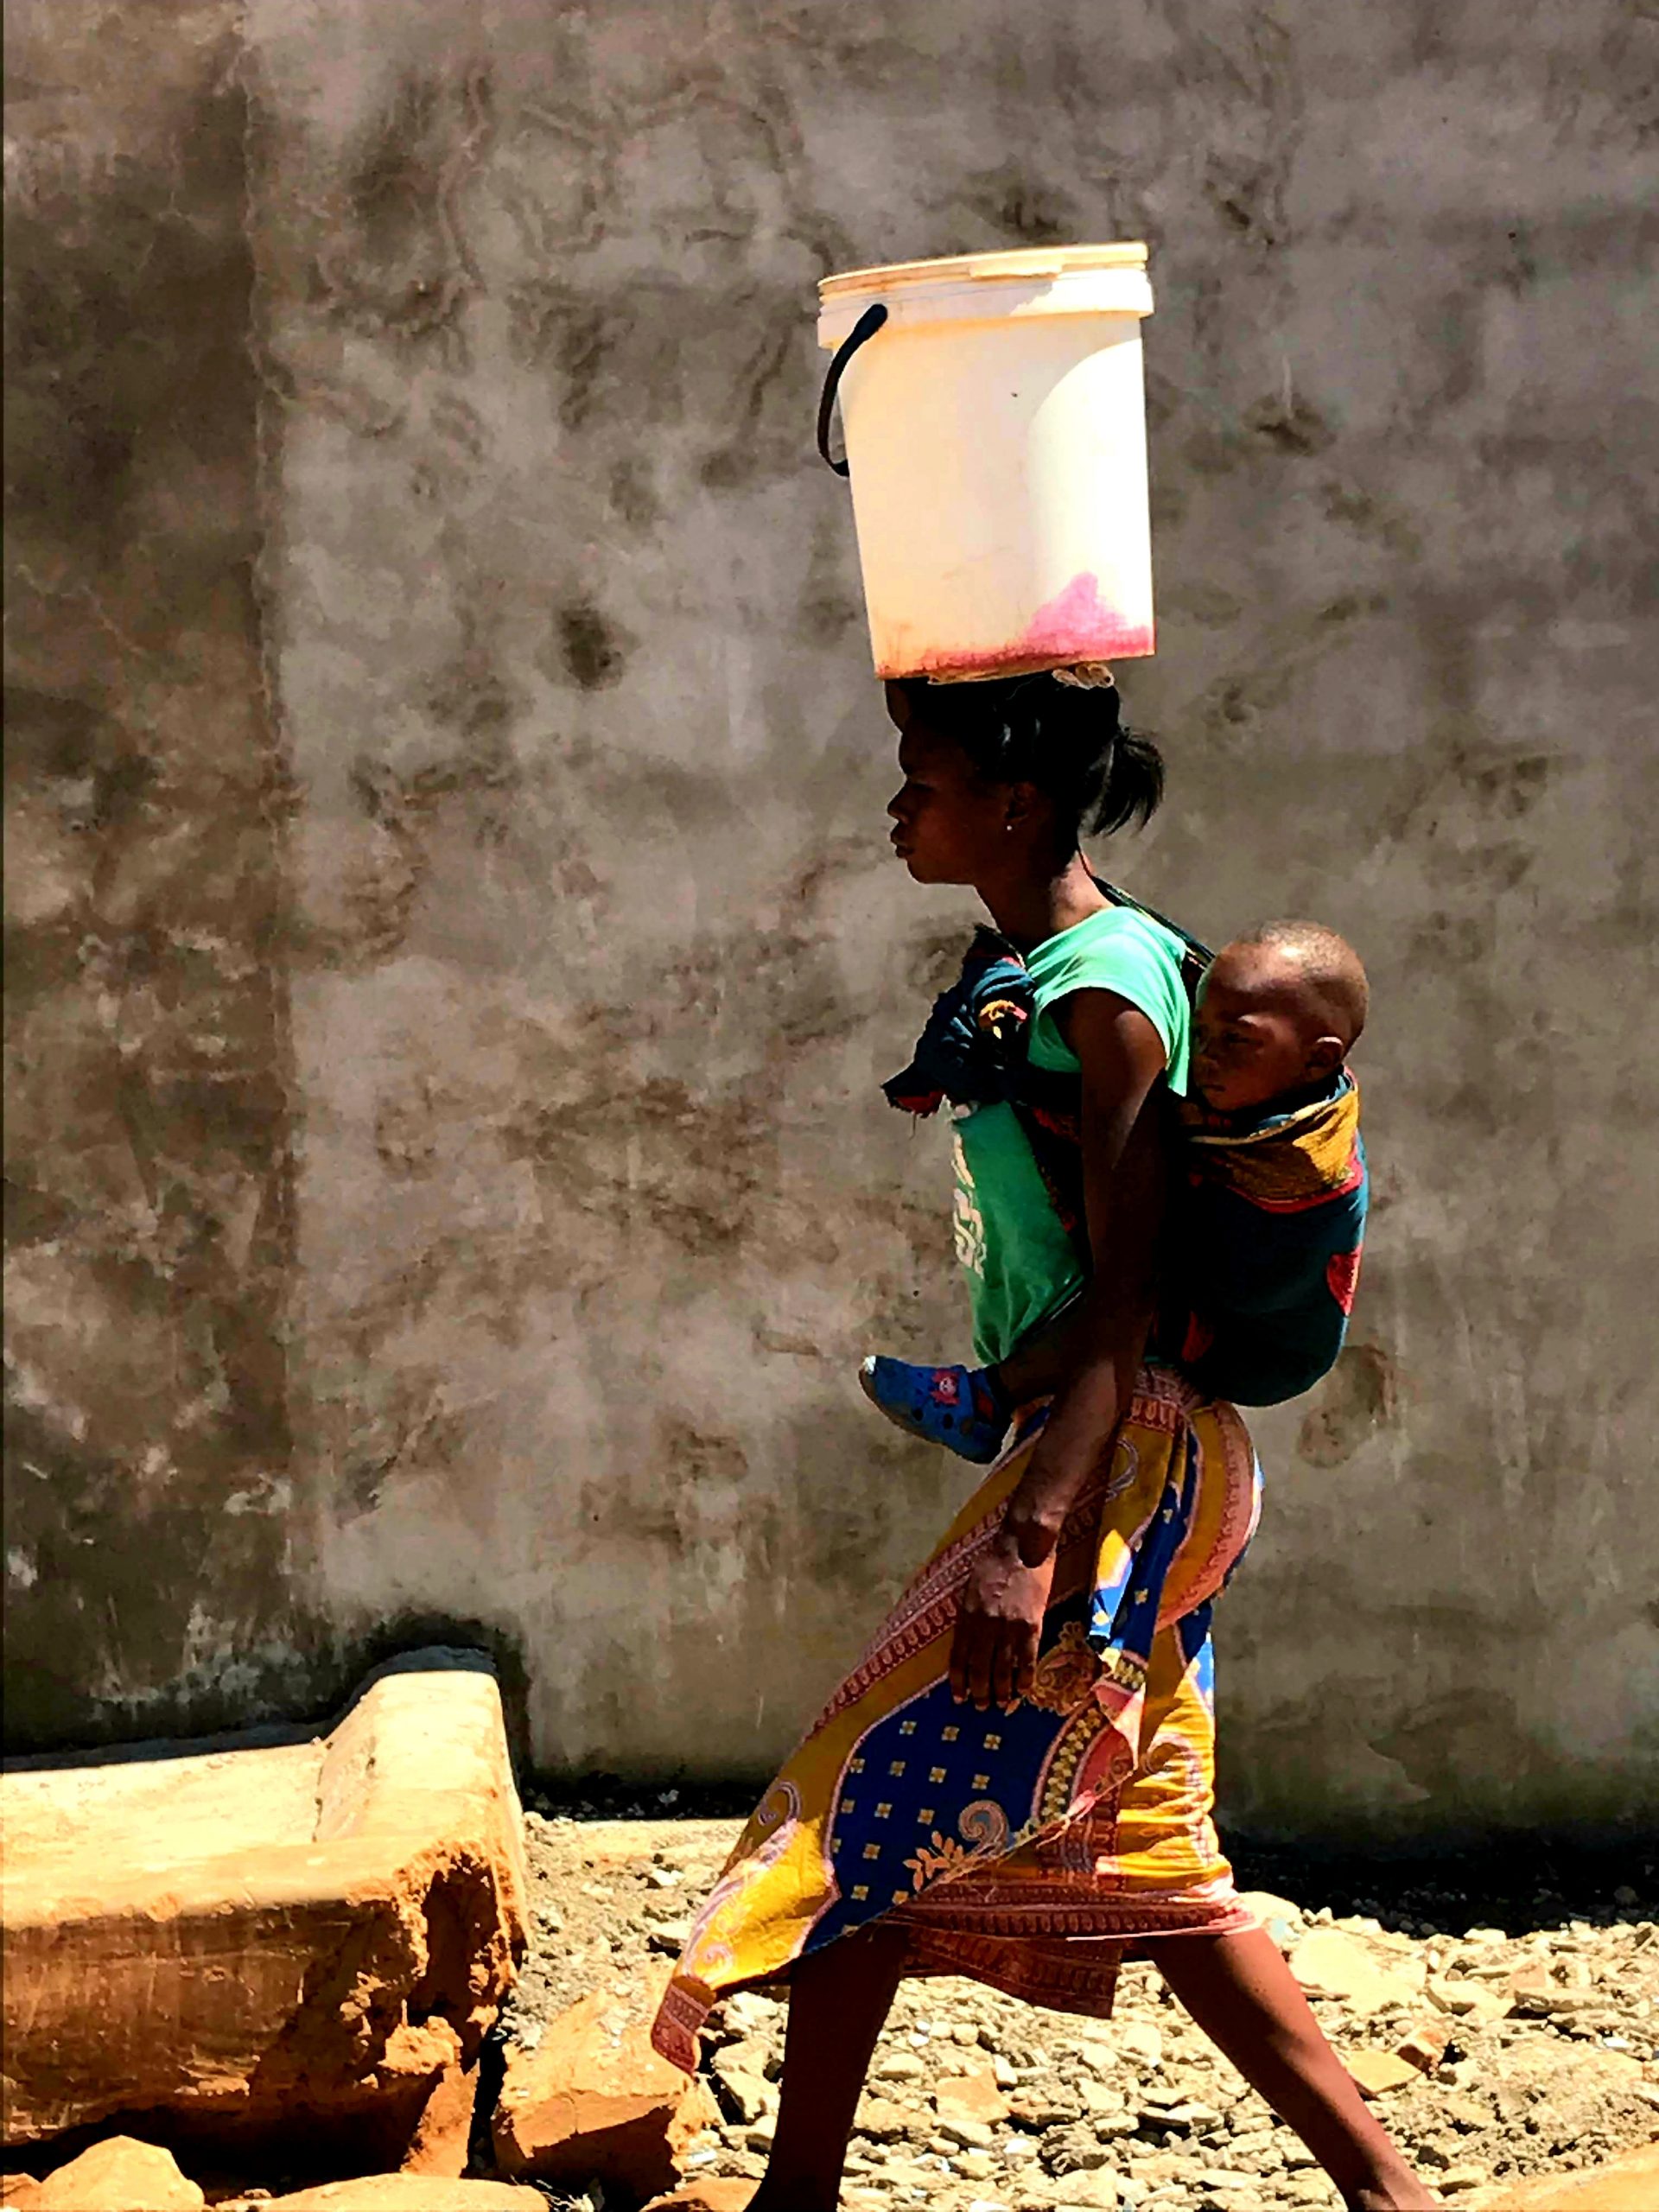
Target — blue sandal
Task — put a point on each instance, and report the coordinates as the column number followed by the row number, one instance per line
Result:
column 957, row 1407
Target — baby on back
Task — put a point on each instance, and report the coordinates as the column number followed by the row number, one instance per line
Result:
column 1278, row 1013
column 1269, row 1231
column 1270, row 1214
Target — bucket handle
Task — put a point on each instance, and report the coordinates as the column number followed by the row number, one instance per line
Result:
column 866, row 326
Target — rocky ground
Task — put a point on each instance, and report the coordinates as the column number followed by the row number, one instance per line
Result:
column 1522, row 2042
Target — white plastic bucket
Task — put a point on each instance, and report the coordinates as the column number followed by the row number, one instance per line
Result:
column 996, row 441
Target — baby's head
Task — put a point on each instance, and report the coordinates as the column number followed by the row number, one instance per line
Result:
column 1277, row 1012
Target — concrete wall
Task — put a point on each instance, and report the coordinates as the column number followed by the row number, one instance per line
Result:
column 458, row 944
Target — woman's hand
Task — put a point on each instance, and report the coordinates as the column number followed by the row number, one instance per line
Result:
column 993, row 1652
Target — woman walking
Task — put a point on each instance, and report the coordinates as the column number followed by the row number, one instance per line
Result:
column 1015, row 1784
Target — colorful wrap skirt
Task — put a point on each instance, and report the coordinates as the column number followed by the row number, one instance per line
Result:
column 1032, row 1848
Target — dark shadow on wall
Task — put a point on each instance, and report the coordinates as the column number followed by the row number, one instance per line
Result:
column 337, row 1674
column 389, row 1645
column 150, row 1097
column 407, row 1655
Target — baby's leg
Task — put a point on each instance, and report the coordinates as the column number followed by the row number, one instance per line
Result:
column 967, row 1409
column 957, row 1407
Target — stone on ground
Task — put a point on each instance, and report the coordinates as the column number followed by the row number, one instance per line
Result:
column 740, row 2068
column 971, row 2096
column 119, row 2175
column 1141, row 2041
column 595, row 2101
column 1629, row 2184
column 883, row 2120
column 1332, row 1963
column 1424, row 2045
column 711, row 2196
column 443, row 2132
column 1379, row 2071
column 312, row 1933
column 1286, row 1923
column 1476, row 2002
column 1093, row 2191
column 398, row 2193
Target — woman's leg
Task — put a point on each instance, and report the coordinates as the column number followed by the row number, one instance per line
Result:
column 838, row 1999
column 1249, row 2003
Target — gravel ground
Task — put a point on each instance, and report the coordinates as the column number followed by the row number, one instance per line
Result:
column 1542, row 1987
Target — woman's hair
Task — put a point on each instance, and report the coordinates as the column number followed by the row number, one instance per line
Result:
column 1066, row 739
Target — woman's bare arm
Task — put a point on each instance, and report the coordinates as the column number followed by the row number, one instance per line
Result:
column 1124, row 1194
column 994, row 1650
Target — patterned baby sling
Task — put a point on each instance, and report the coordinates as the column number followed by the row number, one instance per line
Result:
column 1269, row 1219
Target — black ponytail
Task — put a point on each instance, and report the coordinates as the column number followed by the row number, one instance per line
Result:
column 1067, row 740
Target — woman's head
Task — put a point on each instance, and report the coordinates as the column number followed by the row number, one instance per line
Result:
column 1018, row 768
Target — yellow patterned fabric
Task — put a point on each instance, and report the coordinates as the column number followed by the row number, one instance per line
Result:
column 1028, row 1848
column 1293, row 1161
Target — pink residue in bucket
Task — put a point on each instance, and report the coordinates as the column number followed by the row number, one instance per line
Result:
column 1076, row 625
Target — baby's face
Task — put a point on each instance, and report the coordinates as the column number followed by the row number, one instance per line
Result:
column 1256, row 1033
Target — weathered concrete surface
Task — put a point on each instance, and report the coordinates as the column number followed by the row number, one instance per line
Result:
column 311, row 1936
column 149, row 1078
column 568, row 791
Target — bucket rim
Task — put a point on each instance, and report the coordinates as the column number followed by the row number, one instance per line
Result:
column 1025, row 265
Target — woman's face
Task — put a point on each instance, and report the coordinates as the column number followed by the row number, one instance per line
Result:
column 949, row 827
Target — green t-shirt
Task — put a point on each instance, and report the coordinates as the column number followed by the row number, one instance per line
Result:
column 1020, row 1264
